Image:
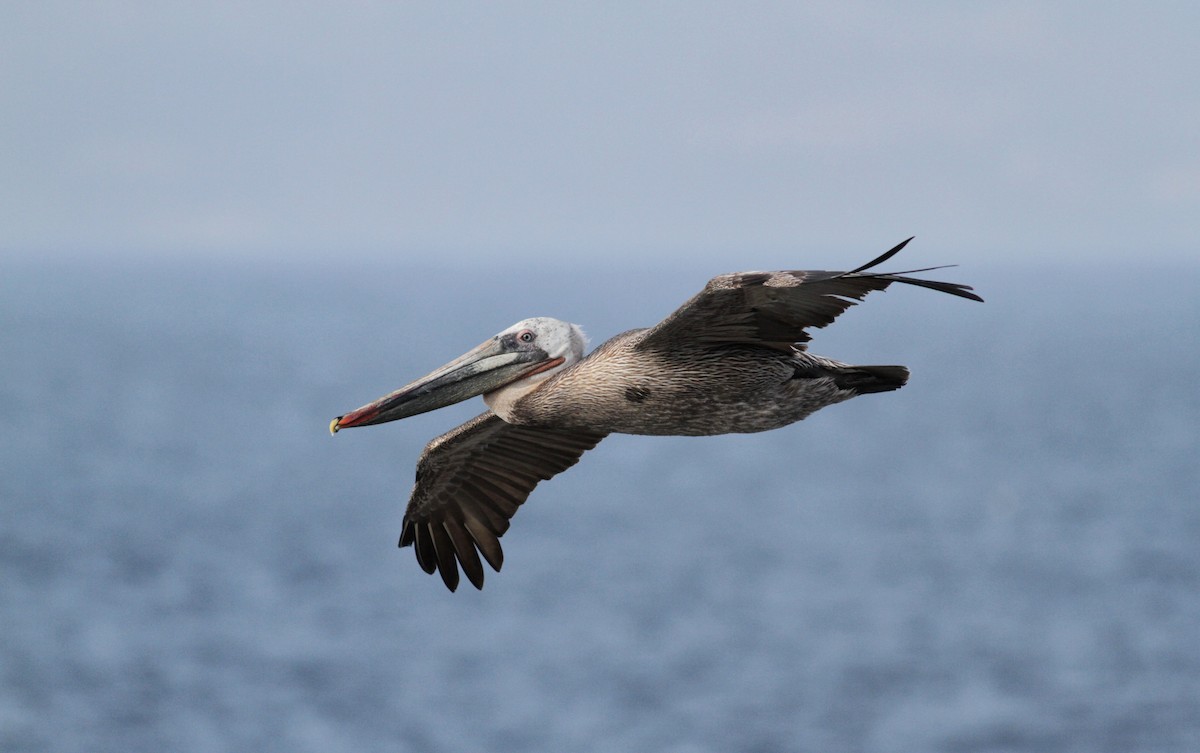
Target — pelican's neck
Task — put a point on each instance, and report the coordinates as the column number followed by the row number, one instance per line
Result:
column 504, row 400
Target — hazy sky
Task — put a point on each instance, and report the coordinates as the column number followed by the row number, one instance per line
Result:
column 774, row 133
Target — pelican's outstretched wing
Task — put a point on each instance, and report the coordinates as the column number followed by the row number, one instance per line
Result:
column 470, row 482
column 775, row 309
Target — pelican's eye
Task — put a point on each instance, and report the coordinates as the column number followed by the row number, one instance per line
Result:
column 526, row 336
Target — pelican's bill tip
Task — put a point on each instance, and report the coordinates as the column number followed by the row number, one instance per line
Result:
column 333, row 425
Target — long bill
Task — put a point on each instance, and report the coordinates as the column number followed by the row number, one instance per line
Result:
column 483, row 369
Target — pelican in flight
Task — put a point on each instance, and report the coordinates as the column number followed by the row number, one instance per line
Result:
column 734, row 358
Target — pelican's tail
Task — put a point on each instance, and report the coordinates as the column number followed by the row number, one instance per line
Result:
column 867, row 379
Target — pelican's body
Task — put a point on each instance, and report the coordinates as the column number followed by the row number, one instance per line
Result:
column 732, row 359
column 622, row 388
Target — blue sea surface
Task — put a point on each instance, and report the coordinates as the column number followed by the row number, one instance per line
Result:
column 1002, row 556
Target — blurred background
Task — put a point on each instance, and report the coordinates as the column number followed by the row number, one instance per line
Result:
column 225, row 224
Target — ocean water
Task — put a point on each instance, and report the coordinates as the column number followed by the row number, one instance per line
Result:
column 1003, row 556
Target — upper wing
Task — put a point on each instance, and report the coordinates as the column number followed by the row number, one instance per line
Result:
column 775, row 309
column 470, row 482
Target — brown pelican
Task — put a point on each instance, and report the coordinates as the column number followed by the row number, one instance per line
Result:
column 731, row 359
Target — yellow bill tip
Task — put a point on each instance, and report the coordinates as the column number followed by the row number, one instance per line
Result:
column 333, row 425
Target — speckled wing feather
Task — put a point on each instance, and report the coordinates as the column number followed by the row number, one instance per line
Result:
column 470, row 482
column 774, row 309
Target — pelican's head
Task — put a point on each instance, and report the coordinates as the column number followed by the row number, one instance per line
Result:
column 502, row 369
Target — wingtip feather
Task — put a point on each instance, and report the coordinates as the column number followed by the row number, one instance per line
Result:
column 883, row 257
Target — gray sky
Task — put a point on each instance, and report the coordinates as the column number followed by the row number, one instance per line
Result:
column 751, row 134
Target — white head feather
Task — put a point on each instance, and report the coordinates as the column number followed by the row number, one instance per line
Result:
column 558, row 339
